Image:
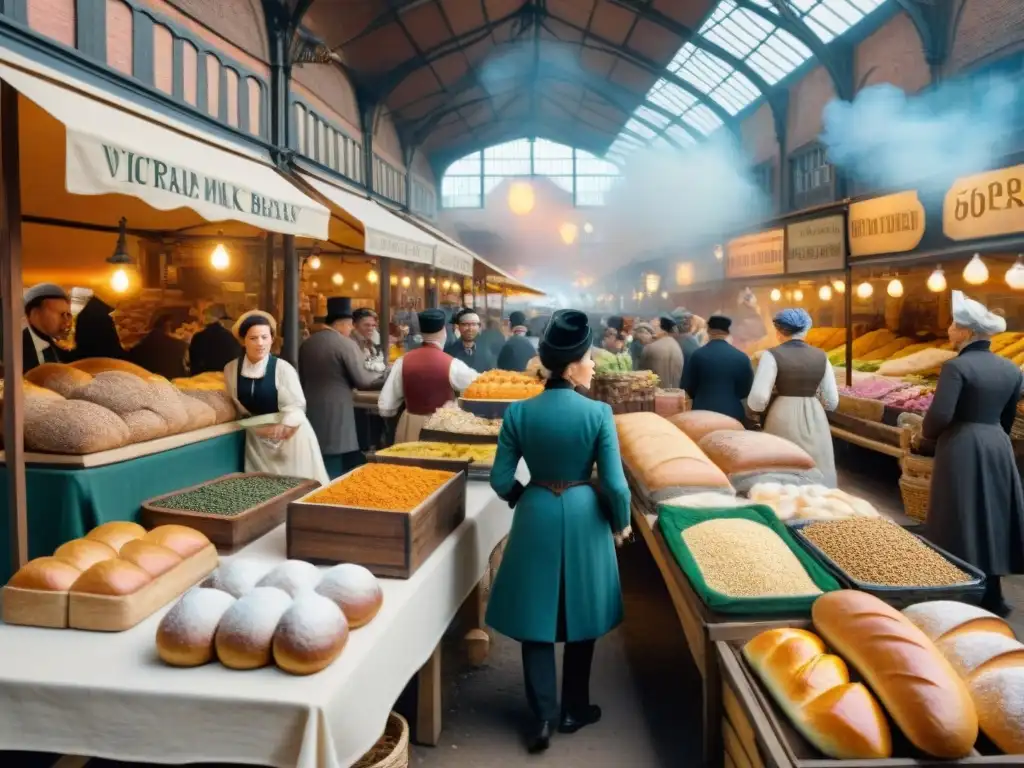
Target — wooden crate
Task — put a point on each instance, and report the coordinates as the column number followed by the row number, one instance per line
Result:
column 390, row 544
column 767, row 738
column 437, row 436
column 228, row 534
column 423, row 462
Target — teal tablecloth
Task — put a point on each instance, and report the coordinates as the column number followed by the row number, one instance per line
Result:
column 64, row 504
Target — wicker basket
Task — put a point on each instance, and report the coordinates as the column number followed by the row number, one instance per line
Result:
column 396, row 733
column 624, row 392
column 916, row 493
column 914, row 465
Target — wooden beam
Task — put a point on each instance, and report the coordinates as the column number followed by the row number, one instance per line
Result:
column 11, row 296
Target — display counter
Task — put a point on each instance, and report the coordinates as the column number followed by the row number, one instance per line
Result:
column 70, row 495
column 113, row 698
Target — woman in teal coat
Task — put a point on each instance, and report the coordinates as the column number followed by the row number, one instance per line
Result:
column 559, row 578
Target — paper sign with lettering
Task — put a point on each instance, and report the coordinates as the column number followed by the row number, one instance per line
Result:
column 379, row 243
column 889, row 224
column 96, row 167
column 451, row 259
column 985, row 205
column 816, row 245
column 756, row 255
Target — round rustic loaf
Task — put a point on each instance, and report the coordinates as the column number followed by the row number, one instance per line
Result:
column 293, row 577
column 735, row 452
column 154, row 559
column 112, row 577
column 116, row 534
column 49, row 574
column 83, row 554
column 185, row 635
column 199, row 414
column 145, row 425
column 220, row 402
column 697, row 424
column 245, row 635
column 169, row 405
column 117, row 391
column 310, row 635
column 353, row 589
column 72, row 427
column 59, row 378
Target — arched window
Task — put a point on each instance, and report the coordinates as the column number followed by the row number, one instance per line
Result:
column 584, row 176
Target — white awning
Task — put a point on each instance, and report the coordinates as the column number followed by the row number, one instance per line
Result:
column 385, row 233
column 117, row 147
column 451, row 256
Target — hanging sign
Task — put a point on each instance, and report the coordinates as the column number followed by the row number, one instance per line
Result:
column 985, row 205
column 816, row 245
column 889, row 224
column 756, row 255
column 451, row 259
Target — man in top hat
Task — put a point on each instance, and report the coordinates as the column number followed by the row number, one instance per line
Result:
column 717, row 376
column 331, row 366
column 517, row 352
column 48, row 316
column 467, row 347
column 423, row 379
column 664, row 356
column 215, row 346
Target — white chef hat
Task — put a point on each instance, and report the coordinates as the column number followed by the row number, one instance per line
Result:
column 975, row 316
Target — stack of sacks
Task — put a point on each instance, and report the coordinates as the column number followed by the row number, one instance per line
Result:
column 749, row 458
column 810, row 502
column 662, row 461
column 696, row 424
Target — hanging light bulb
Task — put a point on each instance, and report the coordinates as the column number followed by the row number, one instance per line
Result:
column 314, row 263
column 864, row 290
column 839, row 286
column 394, row 279
column 975, row 273
column 121, row 261
column 1015, row 274
column 338, row 279
column 588, row 228
column 719, row 253
column 420, row 281
column 664, row 294
column 521, row 198
column 775, row 295
column 219, row 259
column 433, row 281
column 568, row 232
column 355, row 286
column 825, row 293
column 406, row 282
column 894, row 288
column 937, row 281
column 446, row 285
column 119, row 280
column 798, row 295
column 372, row 277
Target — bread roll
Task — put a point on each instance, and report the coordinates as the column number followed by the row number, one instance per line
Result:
column 83, row 554
column 353, row 589
column 840, row 718
column 112, row 577
column 292, row 576
column 152, row 558
column 310, row 635
column 49, row 574
column 245, row 635
column 178, row 538
column 942, row 619
column 974, row 652
column 999, row 697
column 920, row 689
column 115, row 534
column 185, row 635
column 236, row 577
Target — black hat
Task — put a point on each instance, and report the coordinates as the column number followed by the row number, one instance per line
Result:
column 431, row 321
column 615, row 322
column 338, row 308
column 566, row 339
column 516, row 320
column 719, row 323
column 667, row 323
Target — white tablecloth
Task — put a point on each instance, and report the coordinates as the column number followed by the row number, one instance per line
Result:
column 108, row 695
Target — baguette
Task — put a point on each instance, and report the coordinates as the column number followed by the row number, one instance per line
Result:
column 917, row 685
column 842, row 719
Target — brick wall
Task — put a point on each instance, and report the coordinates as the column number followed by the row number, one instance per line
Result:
column 893, row 54
column 807, row 100
column 386, row 143
column 333, row 91
column 758, row 132
column 983, row 30
column 240, row 22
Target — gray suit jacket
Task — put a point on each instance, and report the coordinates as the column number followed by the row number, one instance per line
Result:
column 665, row 357
column 330, row 367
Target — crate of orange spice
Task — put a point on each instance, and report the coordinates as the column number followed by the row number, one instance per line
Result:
column 388, row 518
column 494, row 391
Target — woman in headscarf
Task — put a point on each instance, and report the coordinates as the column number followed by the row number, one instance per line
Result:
column 976, row 509
column 262, row 384
column 559, row 578
column 804, row 387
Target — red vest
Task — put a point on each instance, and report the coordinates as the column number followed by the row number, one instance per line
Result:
column 425, row 380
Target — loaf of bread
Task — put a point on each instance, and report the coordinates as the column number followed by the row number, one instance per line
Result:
column 83, row 554
column 293, row 577
column 696, row 424
column 185, row 635
column 661, row 457
column 354, row 590
column 47, row 574
column 58, row 377
column 920, row 689
column 310, row 635
column 733, row 452
column 236, row 577
column 116, row 534
column 154, row 559
column 245, row 634
column 178, row 538
column 982, row 649
column 112, row 577
column 842, row 719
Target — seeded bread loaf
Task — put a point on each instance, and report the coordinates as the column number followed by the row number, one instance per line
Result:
column 145, row 425
column 73, row 427
column 219, row 401
column 59, row 378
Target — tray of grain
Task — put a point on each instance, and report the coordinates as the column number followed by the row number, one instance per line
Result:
column 231, row 511
column 743, row 560
column 386, row 517
column 880, row 557
column 474, row 459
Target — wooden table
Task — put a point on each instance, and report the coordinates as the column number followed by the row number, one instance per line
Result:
column 703, row 628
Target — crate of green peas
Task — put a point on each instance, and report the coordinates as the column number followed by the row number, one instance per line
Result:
column 232, row 510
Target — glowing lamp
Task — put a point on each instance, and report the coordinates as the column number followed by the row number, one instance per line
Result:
column 894, row 288
column 219, row 259
column 338, row 279
column 394, row 280
column 521, row 198
column 371, row 277
column 420, row 281
column 825, row 293
column 588, row 228
column 1015, row 275
column 864, row 290
column 937, row 281
column 568, row 232
column 314, row 263
column 975, row 273
column 119, row 280
column 121, row 260
column 406, row 282
column 775, row 295
column 839, row 286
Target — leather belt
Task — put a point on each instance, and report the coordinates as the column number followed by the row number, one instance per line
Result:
column 558, row 487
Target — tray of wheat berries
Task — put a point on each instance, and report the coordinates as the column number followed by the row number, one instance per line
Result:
column 232, row 510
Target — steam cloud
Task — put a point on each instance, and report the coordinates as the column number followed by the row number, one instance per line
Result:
column 886, row 139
